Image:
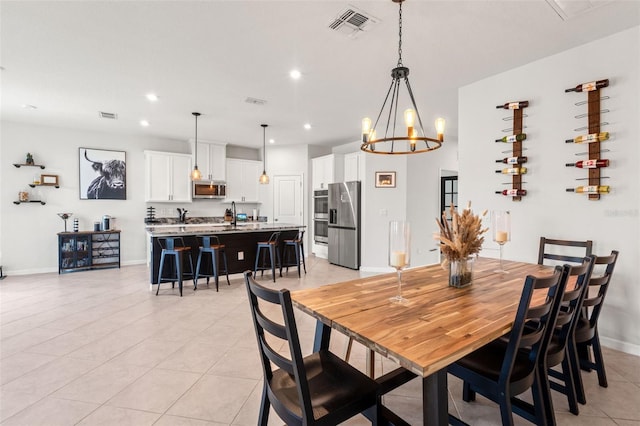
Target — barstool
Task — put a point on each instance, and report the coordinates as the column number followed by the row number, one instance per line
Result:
column 270, row 247
column 211, row 244
column 297, row 245
column 174, row 246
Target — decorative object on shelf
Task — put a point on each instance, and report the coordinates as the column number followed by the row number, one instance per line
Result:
column 460, row 240
column 195, row 174
column 29, row 160
column 515, row 139
column 151, row 215
column 501, row 225
column 415, row 134
column 75, row 225
column 399, row 252
column 65, row 217
column 385, row 179
column 102, row 174
column 23, row 196
column 264, row 177
column 593, row 163
column 49, row 180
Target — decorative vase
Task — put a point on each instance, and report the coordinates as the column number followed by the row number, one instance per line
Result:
column 461, row 272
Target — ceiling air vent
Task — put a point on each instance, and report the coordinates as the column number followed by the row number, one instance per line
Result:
column 255, row 101
column 109, row 115
column 352, row 21
column 568, row 9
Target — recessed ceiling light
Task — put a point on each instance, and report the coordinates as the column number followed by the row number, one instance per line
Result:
column 272, row 141
column 307, row 126
column 144, row 123
column 152, row 97
column 28, row 106
column 295, row 74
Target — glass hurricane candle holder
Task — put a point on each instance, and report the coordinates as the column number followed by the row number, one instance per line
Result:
column 399, row 252
column 65, row 217
column 501, row 225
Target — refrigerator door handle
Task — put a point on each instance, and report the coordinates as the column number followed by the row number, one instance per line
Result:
column 333, row 216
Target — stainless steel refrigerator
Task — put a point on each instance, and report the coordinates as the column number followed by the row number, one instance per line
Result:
column 344, row 224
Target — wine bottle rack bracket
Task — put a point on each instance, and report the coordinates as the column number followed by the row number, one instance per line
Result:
column 516, row 148
column 594, row 124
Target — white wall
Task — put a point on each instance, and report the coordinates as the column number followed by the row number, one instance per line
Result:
column 28, row 241
column 547, row 210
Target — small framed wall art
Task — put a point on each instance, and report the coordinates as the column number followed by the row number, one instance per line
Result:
column 102, row 174
column 49, row 180
column 385, row 179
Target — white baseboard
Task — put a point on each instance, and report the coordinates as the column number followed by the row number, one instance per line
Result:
column 621, row 346
column 47, row 270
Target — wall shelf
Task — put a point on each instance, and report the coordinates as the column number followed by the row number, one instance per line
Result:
column 18, row 165
column 33, row 185
column 30, row 201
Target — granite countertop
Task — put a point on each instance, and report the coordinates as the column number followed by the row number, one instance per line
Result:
column 164, row 230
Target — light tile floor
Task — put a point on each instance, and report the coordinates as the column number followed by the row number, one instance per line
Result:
column 99, row 348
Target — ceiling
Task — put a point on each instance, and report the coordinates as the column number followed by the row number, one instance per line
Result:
column 72, row 59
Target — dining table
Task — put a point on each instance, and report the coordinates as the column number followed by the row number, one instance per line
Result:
column 438, row 325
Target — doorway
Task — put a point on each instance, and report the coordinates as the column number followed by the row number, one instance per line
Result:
column 287, row 199
column 448, row 192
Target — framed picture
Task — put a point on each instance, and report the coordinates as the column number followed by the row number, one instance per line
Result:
column 102, row 174
column 385, row 179
column 49, row 180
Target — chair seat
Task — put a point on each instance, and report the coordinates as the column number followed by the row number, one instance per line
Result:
column 214, row 246
column 179, row 249
column 584, row 332
column 332, row 385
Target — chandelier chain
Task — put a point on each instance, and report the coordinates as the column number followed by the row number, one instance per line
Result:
column 400, row 36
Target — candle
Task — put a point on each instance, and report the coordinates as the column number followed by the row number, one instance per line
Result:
column 502, row 236
column 398, row 259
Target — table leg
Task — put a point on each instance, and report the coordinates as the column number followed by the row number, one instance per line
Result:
column 323, row 333
column 435, row 402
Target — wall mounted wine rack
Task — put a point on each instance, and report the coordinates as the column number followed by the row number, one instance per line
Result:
column 516, row 161
column 594, row 136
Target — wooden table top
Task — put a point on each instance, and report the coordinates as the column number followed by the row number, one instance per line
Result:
column 439, row 324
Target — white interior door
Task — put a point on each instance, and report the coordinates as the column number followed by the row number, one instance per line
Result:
column 287, row 199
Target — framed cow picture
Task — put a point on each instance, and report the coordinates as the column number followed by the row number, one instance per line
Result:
column 102, row 174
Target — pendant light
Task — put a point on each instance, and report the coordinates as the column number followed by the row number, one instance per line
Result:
column 415, row 140
column 195, row 174
column 264, row 177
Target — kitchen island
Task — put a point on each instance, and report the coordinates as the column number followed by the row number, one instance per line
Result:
column 240, row 242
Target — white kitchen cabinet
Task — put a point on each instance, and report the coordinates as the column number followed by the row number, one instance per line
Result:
column 242, row 180
column 167, row 177
column 353, row 166
column 327, row 169
column 212, row 159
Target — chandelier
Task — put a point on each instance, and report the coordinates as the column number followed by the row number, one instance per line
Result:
column 415, row 139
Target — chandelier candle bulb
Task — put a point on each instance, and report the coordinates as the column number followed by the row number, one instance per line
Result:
column 513, row 160
column 591, row 189
column 592, row 137
column 366, row 129
column 513, row 171
column 440, row 125
column 512, row 192
column 512, row 138
column 513, row 105
column 589, row 164
column 589, row 87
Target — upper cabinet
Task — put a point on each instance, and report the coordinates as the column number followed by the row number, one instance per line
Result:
column 212, row 159
column 353, row 166
column 242, row 180
column 326, row 169
column 167, row 177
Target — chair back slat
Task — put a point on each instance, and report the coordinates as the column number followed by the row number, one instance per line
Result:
column 601, row 282
column 563, row 257
column 273, row 239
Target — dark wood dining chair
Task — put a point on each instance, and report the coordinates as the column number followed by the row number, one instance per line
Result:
column 562, row 349
column 586, row 332
column 505, row 368
column 544, row 253
column 319, row 389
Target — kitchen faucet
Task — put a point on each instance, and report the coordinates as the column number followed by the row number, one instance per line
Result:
column 233, row 213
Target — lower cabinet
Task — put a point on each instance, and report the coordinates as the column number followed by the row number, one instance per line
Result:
column 78, row 251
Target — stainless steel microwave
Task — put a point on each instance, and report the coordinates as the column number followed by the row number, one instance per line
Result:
column 209, row 189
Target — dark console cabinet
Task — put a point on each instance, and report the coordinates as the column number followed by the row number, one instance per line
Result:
column 78, row 251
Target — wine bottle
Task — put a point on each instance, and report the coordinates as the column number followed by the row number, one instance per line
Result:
column 513, row 160
column 512, row 138
column 589, row 164
column 591, row 137
column 588, row 87
column 591, row 189
column 512, row 192
column 513, row 171
column 513, row 105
